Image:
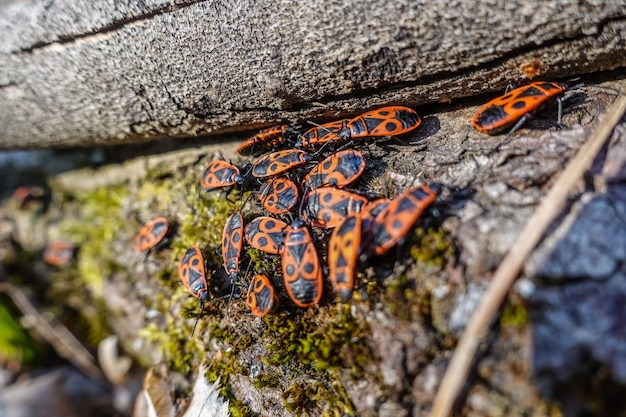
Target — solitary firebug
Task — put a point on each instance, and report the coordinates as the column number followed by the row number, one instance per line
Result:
column 266, row 234
column 338, row 170
column 59, row 253
column 151, row 235
column 516, row 107
column 343, row 253
column 261, row 296
column 301, row 267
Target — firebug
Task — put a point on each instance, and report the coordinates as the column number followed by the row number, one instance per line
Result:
column 395, row 221
column 266, row 139
column 267, row 234
column 261, row 296
column 326, row 207
column 192, row 273
column 386, row 121
column 232, row 244
column 278, row 195
column 301, row 267
column 151, row 235
column 343, row 253
column 338, row 170
column 279, row 162
column 59, row 253
column 516, row 107
column 219, row 174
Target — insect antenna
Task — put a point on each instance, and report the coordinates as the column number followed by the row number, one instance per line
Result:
column 197, row 319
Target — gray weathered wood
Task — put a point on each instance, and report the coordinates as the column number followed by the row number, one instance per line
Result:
column 74, row 73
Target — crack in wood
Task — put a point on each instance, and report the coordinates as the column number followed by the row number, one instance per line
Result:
column 115, row 25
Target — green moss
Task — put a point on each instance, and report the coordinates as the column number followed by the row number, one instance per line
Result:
column 15, row 344
column 433, row 247
column 514, row 315
column 181, row 352
column 260, row 261
column 300, row 397
column 202, row 225
column 100, row 223
column 267, row 380
column 330, row 342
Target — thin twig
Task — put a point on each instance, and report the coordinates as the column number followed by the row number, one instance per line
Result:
column 61, row 339
column 508, row 270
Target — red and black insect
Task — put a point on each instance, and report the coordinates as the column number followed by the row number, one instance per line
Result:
column 370, row 211
column 343, row 253
column 261, row 296
column 270, row 140
column 278, row 195
column 151, row 235
column 192, row 273
column 301, row 267
column 516, row 107
column 338, row 170
column 59, row 253
column 25, row 195
column 266, row 234
column 220, row 174
column 387, row 121
column 327, row 132
column 326, row 207
column 394, row 222
column 279, row 162
column 232, row 244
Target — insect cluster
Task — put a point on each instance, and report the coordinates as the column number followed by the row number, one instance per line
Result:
column 300, row 189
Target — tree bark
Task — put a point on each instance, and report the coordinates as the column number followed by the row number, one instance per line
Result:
column 72, row 73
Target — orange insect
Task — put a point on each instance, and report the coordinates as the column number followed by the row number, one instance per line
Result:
column 232, row 244
column 266, row 139
column 219, row 174
column 269, row 140
column 516, row 107
column 387, row 121
column 192, row 273
column 301, row 266
column 343, row 253
column 331, row 131
column 338, row 170
column 278, row 195
column 261, row 296
column 151, row 235
column 279, row 162
column 59, row 253
column 326, row 207
column 25, row 195
column 395, row 221
column 267, row 234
